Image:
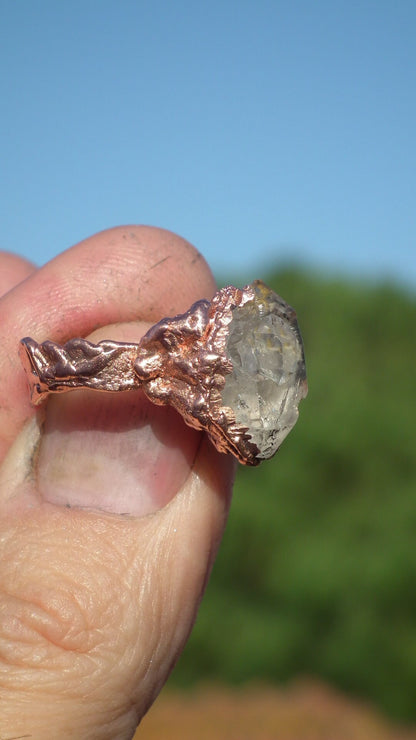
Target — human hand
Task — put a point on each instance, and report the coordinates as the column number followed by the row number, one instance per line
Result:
column 111, row 509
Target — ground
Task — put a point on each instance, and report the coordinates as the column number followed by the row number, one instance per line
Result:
column 302, row 711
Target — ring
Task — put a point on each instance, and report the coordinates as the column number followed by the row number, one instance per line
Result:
column 233, row 366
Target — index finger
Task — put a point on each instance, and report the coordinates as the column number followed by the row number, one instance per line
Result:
column 122, row 274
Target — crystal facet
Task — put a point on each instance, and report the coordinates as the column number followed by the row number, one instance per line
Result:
column 268, row 379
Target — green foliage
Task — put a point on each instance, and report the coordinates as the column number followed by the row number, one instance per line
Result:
column 317, row 571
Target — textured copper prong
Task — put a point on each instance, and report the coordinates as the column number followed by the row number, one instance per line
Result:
column 185, row 361
column 52, row 368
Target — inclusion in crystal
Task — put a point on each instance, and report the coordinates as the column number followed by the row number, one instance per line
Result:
column 268, row 378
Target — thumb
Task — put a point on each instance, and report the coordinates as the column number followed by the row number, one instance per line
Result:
column 97, row 606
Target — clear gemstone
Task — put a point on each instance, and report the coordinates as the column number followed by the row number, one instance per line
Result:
column 268, row 378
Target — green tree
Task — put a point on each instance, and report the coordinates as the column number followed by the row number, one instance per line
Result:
column 317, row 571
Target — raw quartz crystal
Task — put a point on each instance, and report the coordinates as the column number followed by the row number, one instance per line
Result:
column 268, row 379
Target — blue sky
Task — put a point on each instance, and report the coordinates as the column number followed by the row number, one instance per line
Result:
column 261, row 131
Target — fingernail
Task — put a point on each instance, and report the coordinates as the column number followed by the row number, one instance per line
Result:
column 113, row 452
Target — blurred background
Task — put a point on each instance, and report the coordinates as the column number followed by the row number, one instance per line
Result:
column 279, row 138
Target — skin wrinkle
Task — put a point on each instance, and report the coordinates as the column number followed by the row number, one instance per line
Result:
column 144, row 581
column 72, row 583
column 73, row 724
column 44, row 682
column 50, row 676
column 60, row 622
